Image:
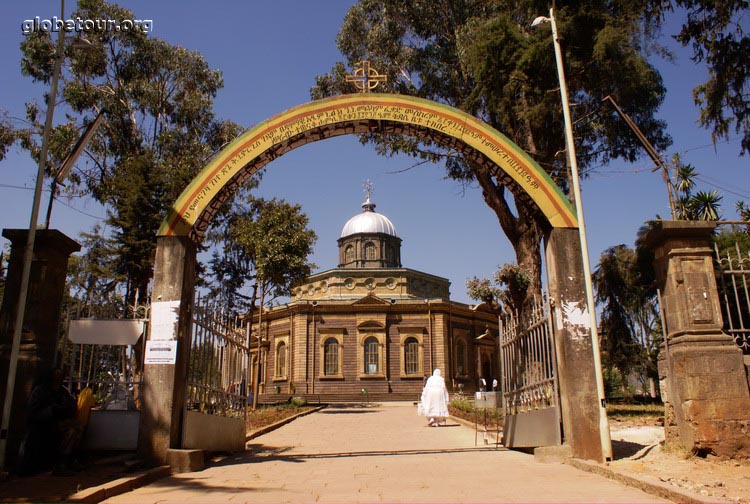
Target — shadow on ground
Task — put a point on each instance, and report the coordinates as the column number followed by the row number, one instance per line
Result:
column 625, row 449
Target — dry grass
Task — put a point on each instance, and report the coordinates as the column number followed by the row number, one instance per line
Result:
column 636, row 414
column 267, row 415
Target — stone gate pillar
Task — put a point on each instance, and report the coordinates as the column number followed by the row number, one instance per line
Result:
column 164, row 380
column 41, row 322
column 707, row 395
column 579, row 402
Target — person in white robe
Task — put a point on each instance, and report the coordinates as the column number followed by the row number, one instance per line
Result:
column 435, row 399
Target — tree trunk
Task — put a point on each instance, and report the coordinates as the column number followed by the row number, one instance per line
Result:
column 523, row 231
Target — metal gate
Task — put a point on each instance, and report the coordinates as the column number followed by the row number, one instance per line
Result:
column 217, row 367
column 733, row 276
column 530, row 390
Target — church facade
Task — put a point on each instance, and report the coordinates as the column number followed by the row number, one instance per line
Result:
column 371, row 328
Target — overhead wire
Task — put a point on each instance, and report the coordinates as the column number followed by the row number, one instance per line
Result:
column 57, row 198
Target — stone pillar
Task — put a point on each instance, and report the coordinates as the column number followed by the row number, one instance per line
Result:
column 707, row 397
column 41, row 322
column 579, row 402
column 164, row 385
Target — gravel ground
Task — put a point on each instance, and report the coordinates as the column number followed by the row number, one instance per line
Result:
column 639, row 450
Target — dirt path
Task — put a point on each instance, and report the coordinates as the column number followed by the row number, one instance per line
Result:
column 639, row 451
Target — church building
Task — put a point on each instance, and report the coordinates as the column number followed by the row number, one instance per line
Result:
column 371, row 328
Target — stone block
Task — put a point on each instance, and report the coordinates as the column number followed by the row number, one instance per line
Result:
column 182, row 461
column 553, row 454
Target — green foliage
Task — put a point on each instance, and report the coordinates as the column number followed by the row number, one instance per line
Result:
column 719, row 36
column 613, row 383
column 734, row 241
column 263, row 247
column 463, row 405
column 743, row 210
column 629, row 317
column 94, row 276
column 484, row 58
column 508, row 289
column 701, row 205
column 158, row 127
column 298, row 402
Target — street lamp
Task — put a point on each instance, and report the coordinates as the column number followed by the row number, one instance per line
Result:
column 606, row 441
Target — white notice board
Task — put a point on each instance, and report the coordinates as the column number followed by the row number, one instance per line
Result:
column 161, row 352
column 164, row 317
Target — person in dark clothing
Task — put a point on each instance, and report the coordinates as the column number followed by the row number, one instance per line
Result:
column 52, row 433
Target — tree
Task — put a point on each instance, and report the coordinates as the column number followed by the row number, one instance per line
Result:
column 263, row 247
column 629, row 313
column 506, row 293
column 702, row 205
column 718, row 34
column 158, row 127
column 92, row 276
column 484, row 58
column 266, row 247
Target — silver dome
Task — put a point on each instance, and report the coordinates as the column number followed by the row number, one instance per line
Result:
column 368, row 221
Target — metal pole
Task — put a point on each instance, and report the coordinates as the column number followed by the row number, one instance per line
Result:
column 28, row 250
column 258, row 374
column 606, row 441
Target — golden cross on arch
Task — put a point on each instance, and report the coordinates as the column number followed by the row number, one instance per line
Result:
column 365, row 78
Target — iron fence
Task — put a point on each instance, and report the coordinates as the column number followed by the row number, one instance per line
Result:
column 528, row 361
column 112, row 371
column 217, row 367
column 732, row 272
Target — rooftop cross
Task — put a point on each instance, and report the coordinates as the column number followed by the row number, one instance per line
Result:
column 365, row 78
column 368, row 186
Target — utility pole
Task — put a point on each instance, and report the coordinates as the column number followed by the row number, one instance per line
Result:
column 28, row 251
column 655, row 157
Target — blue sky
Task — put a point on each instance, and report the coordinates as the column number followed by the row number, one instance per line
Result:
column 270, row 53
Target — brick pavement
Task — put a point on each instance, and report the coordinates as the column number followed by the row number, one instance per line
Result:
column 379, row 453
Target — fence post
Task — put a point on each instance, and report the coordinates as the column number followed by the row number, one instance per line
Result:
column 579, row 401
column 164, row 384
column 707, row 390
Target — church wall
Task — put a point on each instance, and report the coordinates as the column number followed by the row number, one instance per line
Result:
column 308, row 325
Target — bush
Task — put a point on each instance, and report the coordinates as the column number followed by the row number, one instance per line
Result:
column 298, row 402
column 462, row 405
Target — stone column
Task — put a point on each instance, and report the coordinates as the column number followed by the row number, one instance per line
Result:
column 41, row 323
column 579, row 402
column 164, row 385
column 707, row 397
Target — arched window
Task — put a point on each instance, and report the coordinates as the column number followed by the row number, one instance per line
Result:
column 460, row 357
column 411, row 356
column 369, row 251
column 331, row 357
column 281, row 359
column 348, row 254
column 371, row 355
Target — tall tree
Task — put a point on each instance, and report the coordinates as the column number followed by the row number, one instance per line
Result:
column 484, row 58
column 92, row 276
column 266, row 249
column 263, row 247
column 719, row 35
column 158, row 127
column 628, row 313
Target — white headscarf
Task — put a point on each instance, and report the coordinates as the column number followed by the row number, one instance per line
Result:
column 436, row 380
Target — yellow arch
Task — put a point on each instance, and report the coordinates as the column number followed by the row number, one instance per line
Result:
column 355, row 114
